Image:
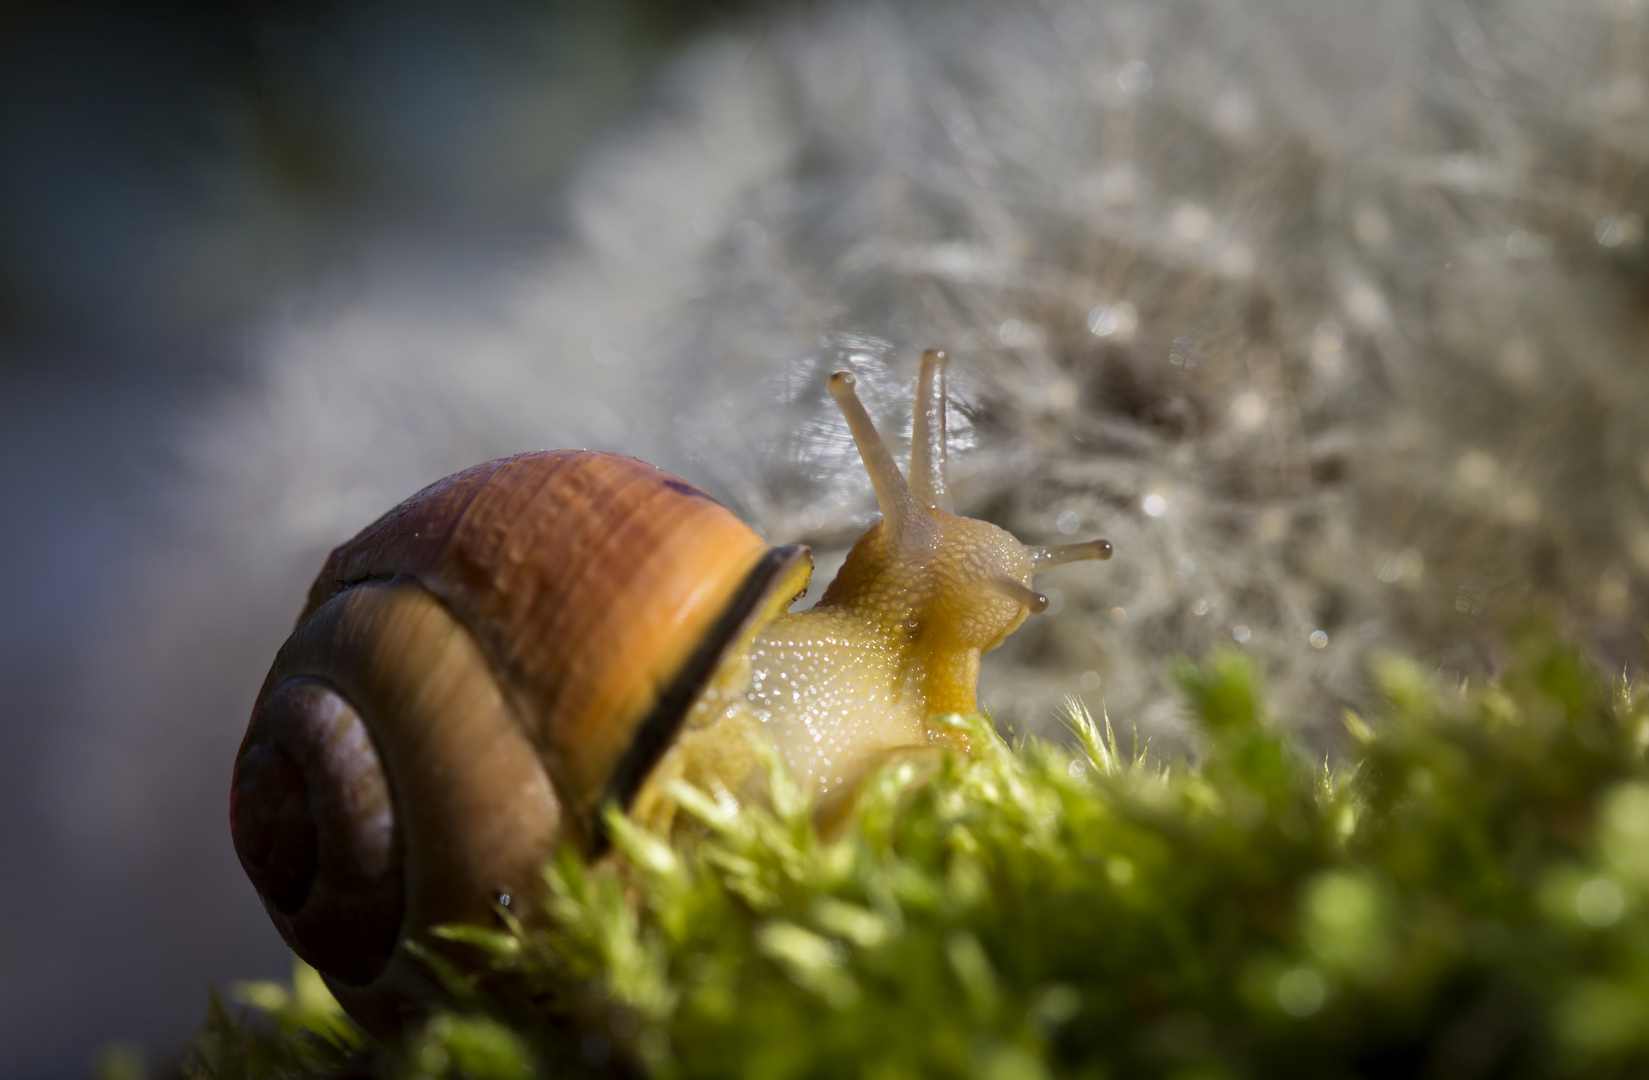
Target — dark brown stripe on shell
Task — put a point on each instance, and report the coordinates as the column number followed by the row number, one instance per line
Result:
column 655, row 733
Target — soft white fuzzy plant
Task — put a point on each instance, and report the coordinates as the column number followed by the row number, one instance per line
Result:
column 1330, row 316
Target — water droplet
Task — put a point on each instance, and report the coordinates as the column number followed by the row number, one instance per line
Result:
column 1135, row 77
column 1328, row 349
column 1117, row 321
column 1395, row 566
column 1477, row 469
column 1365, row 304
column 1234, row 114
column 707, row 221
column 1191, row 223
column 1248, row 410
column 1613, row 588
column 1300, row 992
column 1020, row 335
column 1599, row 902
column 1624, row 230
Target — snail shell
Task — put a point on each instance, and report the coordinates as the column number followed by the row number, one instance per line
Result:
column 471, row 677
column 481, row 671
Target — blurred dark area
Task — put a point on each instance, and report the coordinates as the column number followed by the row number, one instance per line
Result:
column 171, row 174
column 168, row 166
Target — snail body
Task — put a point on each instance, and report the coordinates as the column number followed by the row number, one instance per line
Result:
column 478, row 674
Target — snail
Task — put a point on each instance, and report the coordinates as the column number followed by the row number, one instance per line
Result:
column 481, row 672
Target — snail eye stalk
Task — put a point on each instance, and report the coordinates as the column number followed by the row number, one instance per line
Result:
column 1043, row 558
column 929, row 469
column 1021, row 594
column 893, row 494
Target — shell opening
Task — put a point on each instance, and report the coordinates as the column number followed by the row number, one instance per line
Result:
column 749, row 605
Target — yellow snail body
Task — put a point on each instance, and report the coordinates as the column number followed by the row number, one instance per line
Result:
column 478, row 674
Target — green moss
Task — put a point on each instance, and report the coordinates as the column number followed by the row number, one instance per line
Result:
column 1468, row 896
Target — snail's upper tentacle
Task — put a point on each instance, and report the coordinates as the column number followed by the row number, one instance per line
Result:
column 929, row 470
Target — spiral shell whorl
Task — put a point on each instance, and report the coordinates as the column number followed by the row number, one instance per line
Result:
column 311, row 812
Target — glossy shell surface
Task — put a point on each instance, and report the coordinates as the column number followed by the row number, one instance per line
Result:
column 588, row 578
column 472, row 677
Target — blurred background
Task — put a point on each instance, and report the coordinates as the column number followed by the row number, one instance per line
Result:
column 181, row 185
column 1334, row 317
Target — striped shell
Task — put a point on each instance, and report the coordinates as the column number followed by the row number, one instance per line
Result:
column 473, row 677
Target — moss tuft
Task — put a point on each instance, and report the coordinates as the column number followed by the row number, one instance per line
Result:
column 1467, row 896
